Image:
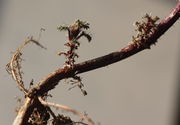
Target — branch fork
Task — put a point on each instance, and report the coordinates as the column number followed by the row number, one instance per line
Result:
column 34, row 96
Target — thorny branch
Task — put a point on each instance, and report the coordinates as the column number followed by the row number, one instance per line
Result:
column 138, row 44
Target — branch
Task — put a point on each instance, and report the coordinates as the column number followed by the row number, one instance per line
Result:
column 14, row 66
column 66, row 108
column 25, row 112
column 52, row 79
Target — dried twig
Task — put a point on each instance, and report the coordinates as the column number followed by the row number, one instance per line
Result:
column 14, row 66
column 68, row 109
column 67, row 71
column 52, row 79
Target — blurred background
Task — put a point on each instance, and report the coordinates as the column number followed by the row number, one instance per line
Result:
column 141, row 90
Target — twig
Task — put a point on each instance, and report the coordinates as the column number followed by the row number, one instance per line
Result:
column 52, row 79
column 24, row 112
column 66, row 108
column 14, row 66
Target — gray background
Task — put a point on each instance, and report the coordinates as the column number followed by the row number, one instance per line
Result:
column 140, row 90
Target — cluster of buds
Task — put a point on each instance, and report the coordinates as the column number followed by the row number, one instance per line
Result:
column 144, row 29
column 75, row 32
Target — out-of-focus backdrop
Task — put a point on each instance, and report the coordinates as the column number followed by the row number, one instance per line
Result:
column 140, row 90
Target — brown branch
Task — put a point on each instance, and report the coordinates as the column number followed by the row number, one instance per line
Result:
column 14, row 66
column 68, row 71
column 52, row 80
column 130, row 50
column 25, row 112
column 66, row 108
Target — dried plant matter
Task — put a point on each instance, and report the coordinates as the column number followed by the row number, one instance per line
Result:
column 36, row 111
column 31, row 112
column 14, row 66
